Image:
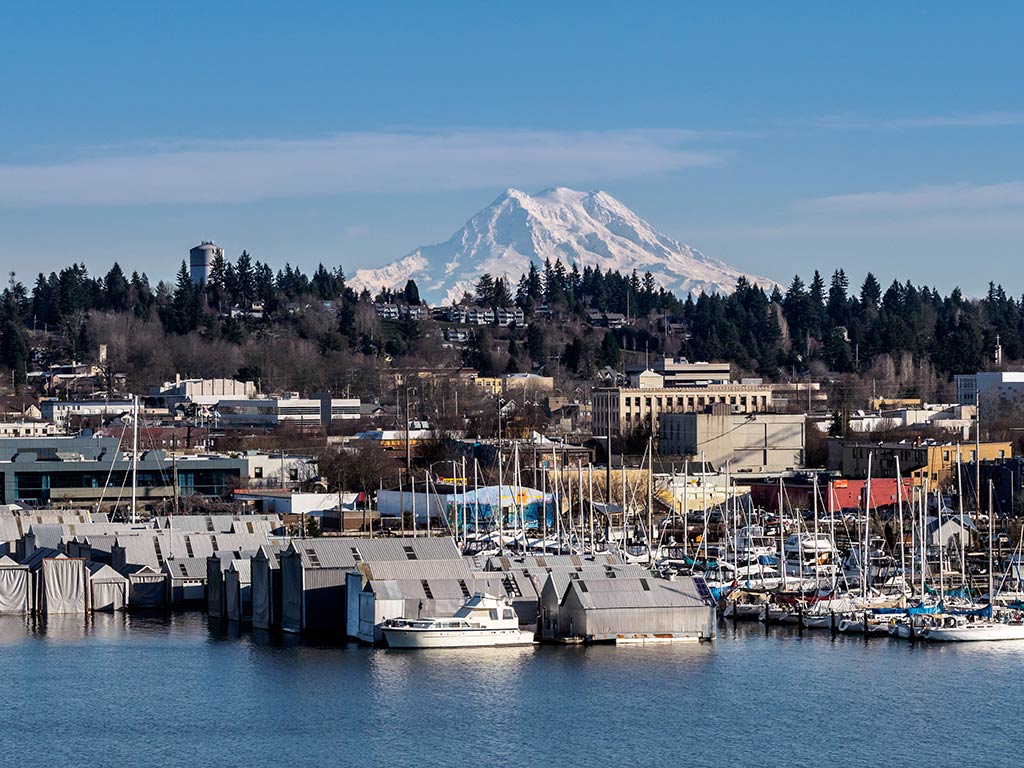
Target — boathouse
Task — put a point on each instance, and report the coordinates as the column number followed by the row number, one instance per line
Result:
column 108, row 589
column 636, row 610
column 238, row 591
column 15, row 587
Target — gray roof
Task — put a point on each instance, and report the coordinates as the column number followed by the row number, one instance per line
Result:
column 102, row 573
column 415, row 569
column 189, row 568
column 244, row 570
column 506, row 563
column 607, row 594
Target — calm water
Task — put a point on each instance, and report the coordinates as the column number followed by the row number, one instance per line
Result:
column 184, row 691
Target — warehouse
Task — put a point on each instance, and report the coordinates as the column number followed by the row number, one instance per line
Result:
column 636, row 610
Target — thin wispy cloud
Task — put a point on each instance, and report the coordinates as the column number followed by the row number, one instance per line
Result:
column 951, row 197
column 245, row 171
column 854, row 121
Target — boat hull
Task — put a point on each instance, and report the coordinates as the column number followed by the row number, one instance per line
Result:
column 969, row 634
column 482, row 638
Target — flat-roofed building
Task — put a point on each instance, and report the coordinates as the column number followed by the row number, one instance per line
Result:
column 760, row 442
column 628, row 408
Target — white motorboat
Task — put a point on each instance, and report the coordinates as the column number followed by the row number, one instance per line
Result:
column 963, row 632
column 484, row 621
column 810, row 555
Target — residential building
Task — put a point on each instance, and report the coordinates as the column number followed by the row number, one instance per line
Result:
column 629, row 408
column 759, row 442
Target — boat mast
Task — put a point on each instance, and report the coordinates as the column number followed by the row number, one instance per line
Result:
column 135, row 455
column 991, row 575
column 865, row 556
column 557, row 499
column 782, row 546
column 899, row 511
column 963, row 527
column 590, row 483
column 651, row 544
column 686, row 507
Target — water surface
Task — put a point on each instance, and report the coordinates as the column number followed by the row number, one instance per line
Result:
column 183, row 690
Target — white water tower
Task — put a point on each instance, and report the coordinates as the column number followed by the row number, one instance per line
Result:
column 200, row 260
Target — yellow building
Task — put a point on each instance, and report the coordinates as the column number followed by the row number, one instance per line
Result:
column 934, row 462
column 489, row 384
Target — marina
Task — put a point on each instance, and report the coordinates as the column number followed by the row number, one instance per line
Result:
column 283, row 695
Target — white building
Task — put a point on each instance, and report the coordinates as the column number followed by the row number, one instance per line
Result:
column 27, row 429
column 60, row 411
column 274, row 411
column 990, row 387
column 201, row 391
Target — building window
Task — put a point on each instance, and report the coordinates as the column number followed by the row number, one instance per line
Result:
column 945, row 455
column 257, row 472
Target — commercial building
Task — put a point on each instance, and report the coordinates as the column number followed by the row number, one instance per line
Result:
column 992, row 388
column 27, row 429
column 94, row 469
column 200, row 391
column 925, row 460
column 60, row 412
column 641, row 405
column 680, row 372
column 270, row 412
column 759, row 442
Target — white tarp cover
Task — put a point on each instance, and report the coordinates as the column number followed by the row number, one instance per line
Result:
column 109, row 589
column 13, row 589
column 65, row 586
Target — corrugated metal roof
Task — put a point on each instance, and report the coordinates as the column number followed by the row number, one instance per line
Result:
column 605, row 594
column 506, row 563
column 416, row 569
column 408, row 548
column 189, row 568
column 244, row 570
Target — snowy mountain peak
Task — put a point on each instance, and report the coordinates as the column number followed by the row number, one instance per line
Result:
column 585, row 228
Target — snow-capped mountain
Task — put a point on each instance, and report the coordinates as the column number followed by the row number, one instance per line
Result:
column 586, row 228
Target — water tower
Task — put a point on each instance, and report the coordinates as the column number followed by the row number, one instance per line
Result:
column 200, row 260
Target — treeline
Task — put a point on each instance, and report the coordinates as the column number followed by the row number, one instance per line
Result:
column 814, row 322
column 848, row 330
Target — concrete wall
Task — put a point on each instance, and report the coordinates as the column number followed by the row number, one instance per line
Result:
column 759, row 442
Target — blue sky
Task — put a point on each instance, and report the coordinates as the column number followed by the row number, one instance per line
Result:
column 868, row 138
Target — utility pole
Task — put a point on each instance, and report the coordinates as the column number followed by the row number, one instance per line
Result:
column 408, row 421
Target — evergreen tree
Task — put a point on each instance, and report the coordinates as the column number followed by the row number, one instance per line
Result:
column 411, row 292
